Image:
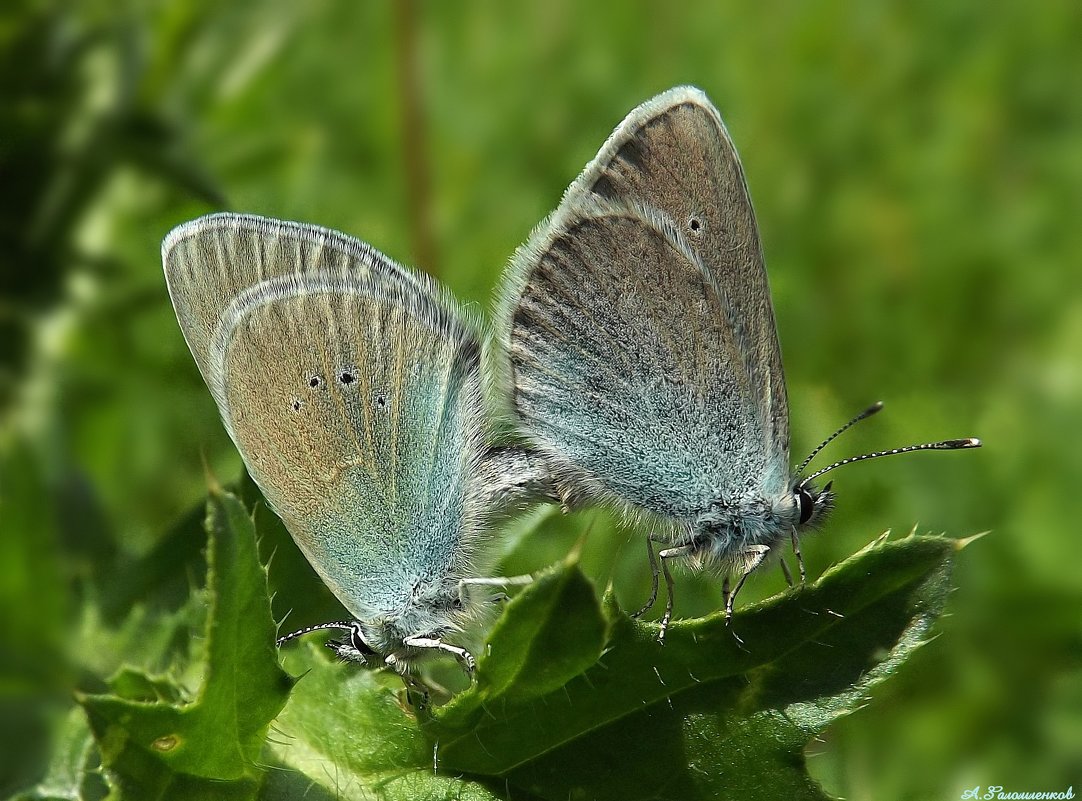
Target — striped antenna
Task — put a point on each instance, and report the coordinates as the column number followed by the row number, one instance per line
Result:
column 343, row 626
column 875, row 407
column 945, row 445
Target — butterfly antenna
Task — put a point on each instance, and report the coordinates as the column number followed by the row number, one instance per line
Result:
column 945, row 445
column 875, row 407
column 343, row 626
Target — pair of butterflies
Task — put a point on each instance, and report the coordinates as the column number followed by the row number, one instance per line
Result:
column 636, row 353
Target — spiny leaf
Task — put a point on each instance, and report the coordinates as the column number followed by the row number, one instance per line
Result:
column 749, row 694
column 208, row 748
column 353, row 737
column 719, row 711
column 545, row 648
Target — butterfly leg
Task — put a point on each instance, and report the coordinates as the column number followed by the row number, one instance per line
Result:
column 497, row 581
column 665, row 556
column 417, row 692
column 799, row 558
column 464, row 656
column 753, row 557
column 785, row 572
column 726, row 591
column 492, row 581
column 653, row 578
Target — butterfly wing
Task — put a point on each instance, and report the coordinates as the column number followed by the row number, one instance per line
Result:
column 351, row 389
column 641, row 346
column 222, row 260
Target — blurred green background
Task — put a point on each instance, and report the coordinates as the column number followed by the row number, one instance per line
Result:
column 917, row 173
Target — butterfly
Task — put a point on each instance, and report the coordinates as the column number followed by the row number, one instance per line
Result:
column 639, row 355
column 352, row 388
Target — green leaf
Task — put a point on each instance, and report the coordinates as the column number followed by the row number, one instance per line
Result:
column 719, row 709
column 707, row 715
column 544, row 648
column 162, row 577
column 211, row 747
column 353, row 737
column 135, row 685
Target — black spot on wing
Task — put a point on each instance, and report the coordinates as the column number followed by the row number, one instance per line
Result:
column 633, row 153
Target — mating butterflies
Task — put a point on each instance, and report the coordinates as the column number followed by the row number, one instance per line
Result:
column 638, row 357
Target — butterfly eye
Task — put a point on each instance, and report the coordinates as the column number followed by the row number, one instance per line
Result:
column 351, row 647
column 806, row 503
column 357, row 641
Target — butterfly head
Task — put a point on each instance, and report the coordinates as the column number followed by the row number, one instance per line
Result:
column 812, row 505
column 350, row 647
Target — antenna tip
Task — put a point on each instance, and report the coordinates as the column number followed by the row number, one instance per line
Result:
column 875, row 407
column 968, row 442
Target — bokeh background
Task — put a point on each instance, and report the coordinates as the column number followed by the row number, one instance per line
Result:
column 917, row 173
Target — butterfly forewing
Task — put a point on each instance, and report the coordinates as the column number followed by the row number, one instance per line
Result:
column 219, row 261
column 674, row 154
